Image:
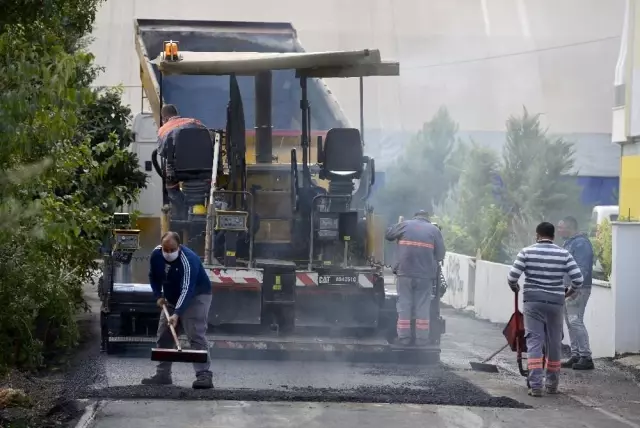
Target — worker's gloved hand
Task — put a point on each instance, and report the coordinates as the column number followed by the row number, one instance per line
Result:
column 514, row 286
column 161, row 302
column 173, row 320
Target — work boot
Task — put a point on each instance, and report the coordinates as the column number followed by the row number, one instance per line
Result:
column 551, row 390
column 570, row 362
column 204, row 380
column 535, row 392
column 584, row 363
column 158, row 379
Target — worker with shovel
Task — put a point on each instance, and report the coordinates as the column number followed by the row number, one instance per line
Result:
column 544, row 266
column 179, row 281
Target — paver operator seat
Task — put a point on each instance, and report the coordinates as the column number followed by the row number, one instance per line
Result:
column 341, row 159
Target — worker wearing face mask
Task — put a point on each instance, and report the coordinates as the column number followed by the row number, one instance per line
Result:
column 178, row 279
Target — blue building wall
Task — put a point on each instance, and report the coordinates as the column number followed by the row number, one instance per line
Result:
column 599, row 190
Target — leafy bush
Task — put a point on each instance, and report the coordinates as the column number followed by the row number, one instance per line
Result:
column 603, row 247
column 64, row 166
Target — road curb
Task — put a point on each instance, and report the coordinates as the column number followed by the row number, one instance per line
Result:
column 88, row 417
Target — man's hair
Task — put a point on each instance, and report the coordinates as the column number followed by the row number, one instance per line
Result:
column 422, row 214
column 546, row 230
column 571, row 222
column 169, row 110
column 173, row 235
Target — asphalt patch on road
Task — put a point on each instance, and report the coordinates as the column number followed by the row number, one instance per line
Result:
column 441, row 387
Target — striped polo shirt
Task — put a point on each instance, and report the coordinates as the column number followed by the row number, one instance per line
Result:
column 544, row 266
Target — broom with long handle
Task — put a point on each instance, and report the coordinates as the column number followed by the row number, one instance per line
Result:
column 177, row 355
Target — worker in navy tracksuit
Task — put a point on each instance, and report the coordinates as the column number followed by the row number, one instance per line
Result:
column 420, row 249
column 172, row 124
column 179, row 280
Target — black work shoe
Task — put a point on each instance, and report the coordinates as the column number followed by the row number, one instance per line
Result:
column 535, row 392
column 203, row 381
column 584, row 363
column 157, row 379
column 551, row 390
column 569, row 363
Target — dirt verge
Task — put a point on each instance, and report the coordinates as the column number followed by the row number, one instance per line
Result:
column 47, row 399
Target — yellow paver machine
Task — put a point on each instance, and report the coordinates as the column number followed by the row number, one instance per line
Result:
column 276, row 189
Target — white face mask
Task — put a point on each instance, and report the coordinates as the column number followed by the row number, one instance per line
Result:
column 170, row 257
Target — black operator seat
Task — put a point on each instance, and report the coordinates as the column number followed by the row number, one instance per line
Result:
column 193, row 162
column 193, row 154
column 343, row 154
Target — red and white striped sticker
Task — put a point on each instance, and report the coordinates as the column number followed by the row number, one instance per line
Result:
column 254, row 277
column 235, row 276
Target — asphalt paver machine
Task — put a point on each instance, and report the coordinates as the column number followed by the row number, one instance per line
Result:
column 286, row 235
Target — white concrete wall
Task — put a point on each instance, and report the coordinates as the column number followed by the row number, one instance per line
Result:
column 481, row 287
column 493, row 297
column 625, row 279
column 459, row 271
column 599, row 321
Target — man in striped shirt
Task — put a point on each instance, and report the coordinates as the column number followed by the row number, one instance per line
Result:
column 544, row 266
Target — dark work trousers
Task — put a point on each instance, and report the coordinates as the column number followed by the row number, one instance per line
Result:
column 414, row 298
column 543, row 324
column 177, row 200
column 194, row 323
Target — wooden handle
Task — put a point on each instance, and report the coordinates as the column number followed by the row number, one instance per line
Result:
column 494, row 354
column 173, row 330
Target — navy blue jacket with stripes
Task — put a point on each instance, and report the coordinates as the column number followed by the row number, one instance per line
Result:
column 544, row 266
column 179, row 280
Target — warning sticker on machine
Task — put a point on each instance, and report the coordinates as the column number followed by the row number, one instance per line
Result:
column 337, row 279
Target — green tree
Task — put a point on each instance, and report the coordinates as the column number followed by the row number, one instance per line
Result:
column 536, row 176
column 425, row 171
column 473, row 221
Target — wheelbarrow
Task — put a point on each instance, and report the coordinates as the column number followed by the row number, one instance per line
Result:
column 514, row 332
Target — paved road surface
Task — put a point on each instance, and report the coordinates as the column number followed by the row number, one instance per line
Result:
column 606, row 398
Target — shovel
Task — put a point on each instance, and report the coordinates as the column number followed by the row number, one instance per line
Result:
column 177, row 355
column 483, row 366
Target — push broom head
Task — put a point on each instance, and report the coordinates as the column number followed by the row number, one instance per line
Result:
column 179, row 356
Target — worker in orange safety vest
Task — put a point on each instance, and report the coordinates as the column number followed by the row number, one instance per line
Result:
column 172, row 124
column 420, row 250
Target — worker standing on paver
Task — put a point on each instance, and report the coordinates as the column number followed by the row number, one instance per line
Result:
column 544, row 265
column 179, row 281
column 582, row 251
column 172, row 124
column 420, row 249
